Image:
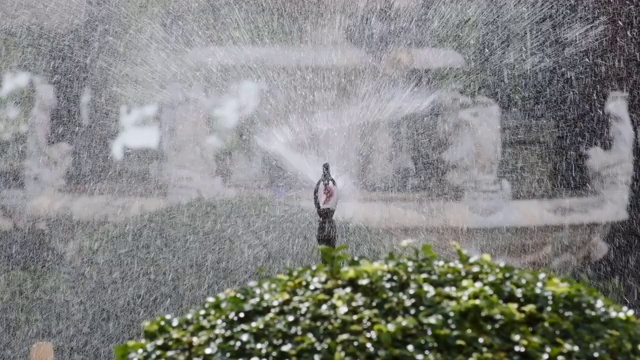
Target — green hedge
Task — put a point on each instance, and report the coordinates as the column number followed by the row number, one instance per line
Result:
column 411, row 307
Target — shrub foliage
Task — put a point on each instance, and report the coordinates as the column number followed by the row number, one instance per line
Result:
column 417, row 306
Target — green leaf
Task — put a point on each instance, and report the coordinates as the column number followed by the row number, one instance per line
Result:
column 122, row 351
column 428, row 252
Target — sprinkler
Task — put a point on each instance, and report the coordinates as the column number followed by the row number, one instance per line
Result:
column 325, row 198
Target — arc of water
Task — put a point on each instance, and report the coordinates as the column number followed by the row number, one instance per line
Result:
column 306, row 166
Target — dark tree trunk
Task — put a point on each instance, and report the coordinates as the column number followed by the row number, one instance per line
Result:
column 95, row 39
column 68, row 73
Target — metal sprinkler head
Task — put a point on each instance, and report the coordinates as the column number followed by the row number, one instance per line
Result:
column 325, row 168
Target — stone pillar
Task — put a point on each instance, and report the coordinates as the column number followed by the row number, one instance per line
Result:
column 611, row 171
column 189, row 165
column 365, row 150
column 474, row 157
column 46, row 165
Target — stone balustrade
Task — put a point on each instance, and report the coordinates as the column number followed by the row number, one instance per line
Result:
column 486, row 158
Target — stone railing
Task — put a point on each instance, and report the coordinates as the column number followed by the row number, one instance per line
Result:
column 190, row 128
column 538, row 233
column 186, row 129
column 334, row 57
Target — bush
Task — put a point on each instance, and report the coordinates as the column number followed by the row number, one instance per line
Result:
column 411, row 307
